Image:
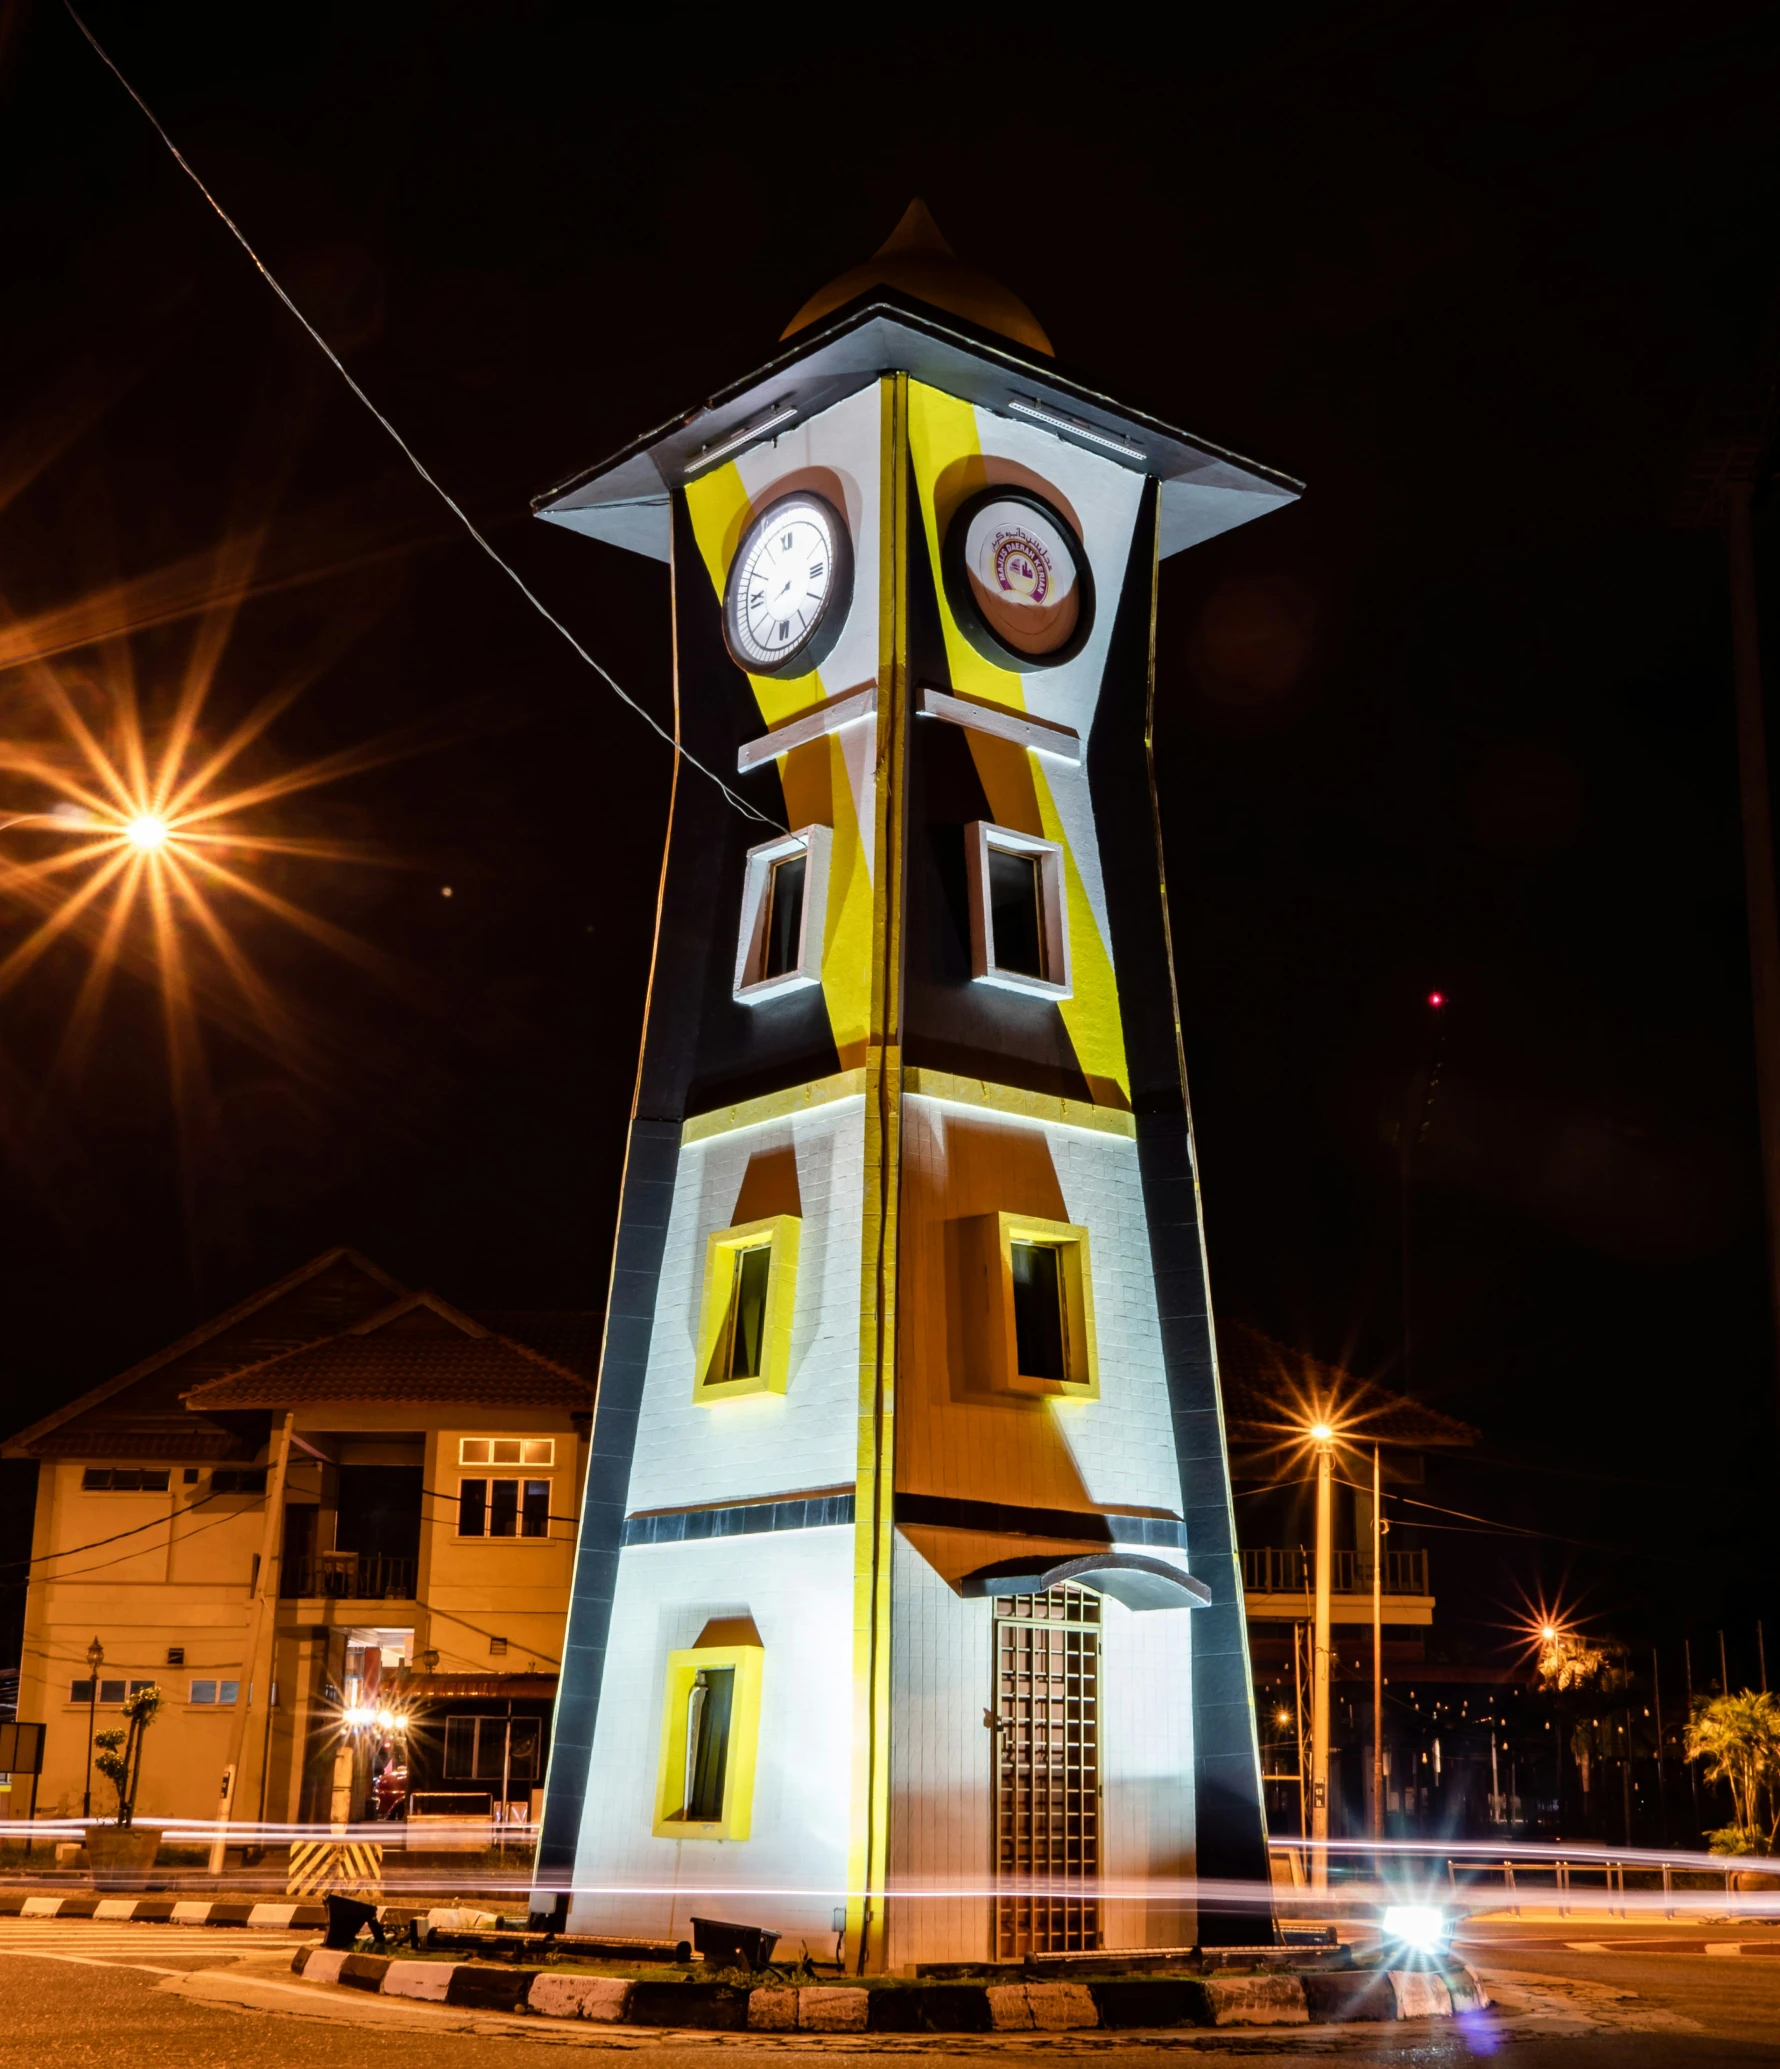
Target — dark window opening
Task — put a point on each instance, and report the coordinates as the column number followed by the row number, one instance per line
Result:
column 1016, row 913
column 707, row 1742
column 747, row 1335
column 503, row 1508
column 784, row 915
column 379, row 1511
column 535, row 1516
column 472, row 1507
column 109, row 1691
column 238, row 1480
column 1039, row 1330
column 123, row 1480
column 476, row 1748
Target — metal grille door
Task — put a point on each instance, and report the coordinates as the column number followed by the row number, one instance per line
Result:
column 1047, row 1772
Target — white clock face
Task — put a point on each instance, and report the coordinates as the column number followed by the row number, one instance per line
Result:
column 789, row 587
column 1018, row 579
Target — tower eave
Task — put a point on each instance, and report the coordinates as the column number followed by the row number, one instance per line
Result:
column 625, row 500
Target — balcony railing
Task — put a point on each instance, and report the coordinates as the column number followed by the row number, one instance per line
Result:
column 1269, row 1570
column 361, row 1576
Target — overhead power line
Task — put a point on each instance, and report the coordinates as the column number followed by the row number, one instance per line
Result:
column 409, row 454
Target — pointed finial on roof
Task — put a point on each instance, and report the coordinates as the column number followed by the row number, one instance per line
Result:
column 919, row 261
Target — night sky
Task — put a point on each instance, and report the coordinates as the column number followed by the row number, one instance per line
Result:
column 1460, row 719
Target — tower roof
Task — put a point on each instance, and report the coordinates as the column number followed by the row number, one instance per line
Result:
column 919, row 261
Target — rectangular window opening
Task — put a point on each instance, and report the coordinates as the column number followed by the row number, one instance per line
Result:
column 1016, row 913
column 709, row 1704
column 124, row 1480
column 1040, row 1321
column 472, row 1508
column 535, row 1514
column 747, row 1334
column 503, row 1508
column 784, row 916
column 506, row 1451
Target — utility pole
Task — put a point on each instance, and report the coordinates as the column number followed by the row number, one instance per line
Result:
column 1693, row 1766
column 1324, row 1438
column 1298, row 1716
column 1662, row 1783
column 1724, row 1672
column 1414, row 1129
column 1378, row 1651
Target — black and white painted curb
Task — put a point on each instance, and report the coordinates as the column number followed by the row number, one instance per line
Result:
column 165, row 1910
column 1022, row 2007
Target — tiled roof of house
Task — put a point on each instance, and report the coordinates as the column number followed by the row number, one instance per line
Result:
column 1271, row 1391
column 142, row 1412
column 419, row 1349
column 568, row 1336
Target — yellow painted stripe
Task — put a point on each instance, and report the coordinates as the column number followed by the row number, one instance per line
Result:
column 813, row 776
column 1018, row 1103
column 868, row 1834
column 948, row 456
column 773, row 1106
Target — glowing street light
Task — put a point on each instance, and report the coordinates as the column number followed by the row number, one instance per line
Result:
column 147, row 832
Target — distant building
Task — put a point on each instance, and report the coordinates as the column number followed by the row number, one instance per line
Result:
column 1268, row 1389
column 341, row 1503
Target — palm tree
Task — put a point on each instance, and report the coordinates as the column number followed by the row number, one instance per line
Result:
column 1738, row 1736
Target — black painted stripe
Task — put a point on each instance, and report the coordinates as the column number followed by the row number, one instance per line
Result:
column 740, row 1519
column 636, row 1272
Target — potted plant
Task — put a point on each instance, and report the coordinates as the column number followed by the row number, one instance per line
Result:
column 122, row 1852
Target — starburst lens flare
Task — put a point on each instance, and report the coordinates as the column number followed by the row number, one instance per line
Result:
column 137, row 840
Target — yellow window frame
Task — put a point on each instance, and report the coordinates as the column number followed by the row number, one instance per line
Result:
column 683, row 1669
column 1081, row 1357
column 724, row 1249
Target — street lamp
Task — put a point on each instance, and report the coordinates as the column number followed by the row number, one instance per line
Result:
column 95, row 1660
column 1322, row 1435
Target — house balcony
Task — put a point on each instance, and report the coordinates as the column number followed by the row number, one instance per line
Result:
column 1279, row 1585
column 348, row 1577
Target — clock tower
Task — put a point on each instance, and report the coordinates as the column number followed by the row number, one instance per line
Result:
column 907, row 1603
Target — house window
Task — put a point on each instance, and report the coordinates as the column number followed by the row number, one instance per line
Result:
column 109, row 1691
column 215, row 1691
column 503, row 1508
column 709, row 1741
column 506, row 1451
column 745, row 1322
column 784, row 906
column 123, row 1480
column 1019, row 930
column 479, row 1749
column 1029, row 1307
column 238, row 1480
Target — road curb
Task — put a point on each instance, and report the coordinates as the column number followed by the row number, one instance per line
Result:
column 1015, row 2007
column 165, row 1911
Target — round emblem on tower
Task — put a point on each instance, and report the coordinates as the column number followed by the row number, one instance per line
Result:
column 1017, row 579
column 790, row 586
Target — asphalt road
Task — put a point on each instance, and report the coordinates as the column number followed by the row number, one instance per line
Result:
column 159, row 1997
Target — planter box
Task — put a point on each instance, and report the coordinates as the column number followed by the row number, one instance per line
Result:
column 121, row 1856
